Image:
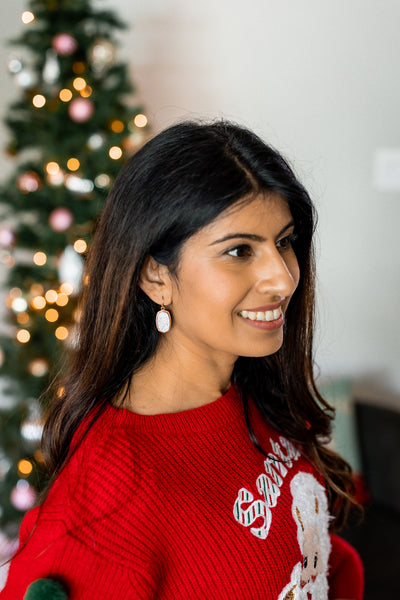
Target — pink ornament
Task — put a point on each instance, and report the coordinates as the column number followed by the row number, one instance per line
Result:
column 23, row 496
column 64, row 44
column 29, row 182
column 7, row 238
column 61, row 219
column 80, row 109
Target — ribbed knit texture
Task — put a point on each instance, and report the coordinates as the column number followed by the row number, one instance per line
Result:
column 145, row 509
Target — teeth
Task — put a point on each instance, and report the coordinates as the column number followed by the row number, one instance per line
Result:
column 268, row 315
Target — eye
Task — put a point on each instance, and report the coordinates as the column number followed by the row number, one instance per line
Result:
column 305, row 563
column 315, row 560
column 286, row 242
column 241, row 251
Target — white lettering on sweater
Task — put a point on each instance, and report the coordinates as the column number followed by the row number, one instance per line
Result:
column 246, row 509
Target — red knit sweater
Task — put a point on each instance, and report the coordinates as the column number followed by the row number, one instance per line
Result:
column 182, row 506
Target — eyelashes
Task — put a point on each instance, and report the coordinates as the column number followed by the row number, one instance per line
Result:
column 287, row 241
column 240, row 251
column 246, row 251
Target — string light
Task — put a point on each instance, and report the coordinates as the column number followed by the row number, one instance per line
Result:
column 66, row 288
column 102, row 180
column 37, row 289
column 38, row 455
column 24, row 467
column 51, row 315
column 73, row 164
column 38, row 367
column 27, row 17
column 23, row 336
column 51, row 296
column 23, row 318
column 38, row 101
column 79, row 83
column 86, row 92
column 61, row 333
column 115, row 152
column 39, row 258
column 8, row 260
column 62, row 299
column 140, row 120
column 15, row 292
column 57, row 178
column 52, row 168
column 78, row 67
column 38, row 302
column 117, row 126
column 80, row 246
column 19, row 305
column 65, row 95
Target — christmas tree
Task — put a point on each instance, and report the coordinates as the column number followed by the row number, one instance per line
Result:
column 71, row 130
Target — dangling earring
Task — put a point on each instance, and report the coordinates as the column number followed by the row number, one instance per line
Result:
column 163, row 319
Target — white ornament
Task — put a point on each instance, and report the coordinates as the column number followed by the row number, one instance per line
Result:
column 79, row 185
column 26, row 78
column 51, row 70
column 23, row 496
column 163, row 321
column 96, row 141
column 14, row 65
column 70, row 268
column 32, row 426
column 102, row 54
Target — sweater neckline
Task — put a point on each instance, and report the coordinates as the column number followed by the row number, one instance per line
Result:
column 214, row 415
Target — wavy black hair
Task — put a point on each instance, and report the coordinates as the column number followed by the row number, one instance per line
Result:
column 179, row 182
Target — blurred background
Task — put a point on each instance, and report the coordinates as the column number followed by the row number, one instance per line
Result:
column 319, row 80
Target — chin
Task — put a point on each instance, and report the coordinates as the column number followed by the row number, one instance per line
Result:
column 266, row 351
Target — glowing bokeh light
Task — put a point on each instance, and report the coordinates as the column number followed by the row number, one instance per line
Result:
column 140, row 120
column 80, row 246
column 39, row 258
column 23, row 336
column 61, row 333
column 38, row 101
column 65, row 95
column 115, row 152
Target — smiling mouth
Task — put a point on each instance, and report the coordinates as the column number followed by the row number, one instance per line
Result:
column 267, row 315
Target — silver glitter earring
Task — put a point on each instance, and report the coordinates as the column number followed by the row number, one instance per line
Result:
column 163, row 319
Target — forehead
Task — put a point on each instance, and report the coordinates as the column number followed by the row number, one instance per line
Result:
column 264, row 215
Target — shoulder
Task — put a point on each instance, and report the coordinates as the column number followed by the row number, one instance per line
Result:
column 96, row 493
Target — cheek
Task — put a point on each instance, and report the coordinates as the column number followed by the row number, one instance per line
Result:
column 213, row 292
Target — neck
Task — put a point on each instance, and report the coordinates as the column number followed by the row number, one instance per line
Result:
column 177, row 379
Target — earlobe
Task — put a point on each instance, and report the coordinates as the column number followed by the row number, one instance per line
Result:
column 155, row 281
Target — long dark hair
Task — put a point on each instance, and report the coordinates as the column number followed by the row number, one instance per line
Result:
column 176, row 184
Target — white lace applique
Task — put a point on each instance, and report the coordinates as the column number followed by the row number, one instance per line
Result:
column 310, row 513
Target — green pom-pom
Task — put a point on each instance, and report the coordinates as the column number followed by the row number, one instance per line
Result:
column 45, row 589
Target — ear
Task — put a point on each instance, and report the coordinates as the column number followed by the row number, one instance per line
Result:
column 155, row 281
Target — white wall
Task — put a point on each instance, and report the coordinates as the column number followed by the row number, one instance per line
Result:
column 319, row 79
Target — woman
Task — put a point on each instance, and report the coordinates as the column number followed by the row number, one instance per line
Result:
column 185, row 443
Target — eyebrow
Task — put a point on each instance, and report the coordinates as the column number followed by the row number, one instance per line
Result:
column 250, row 236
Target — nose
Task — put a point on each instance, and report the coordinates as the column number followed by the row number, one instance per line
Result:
column 278, row 274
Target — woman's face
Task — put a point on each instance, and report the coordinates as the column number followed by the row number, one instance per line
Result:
column 234, row 282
